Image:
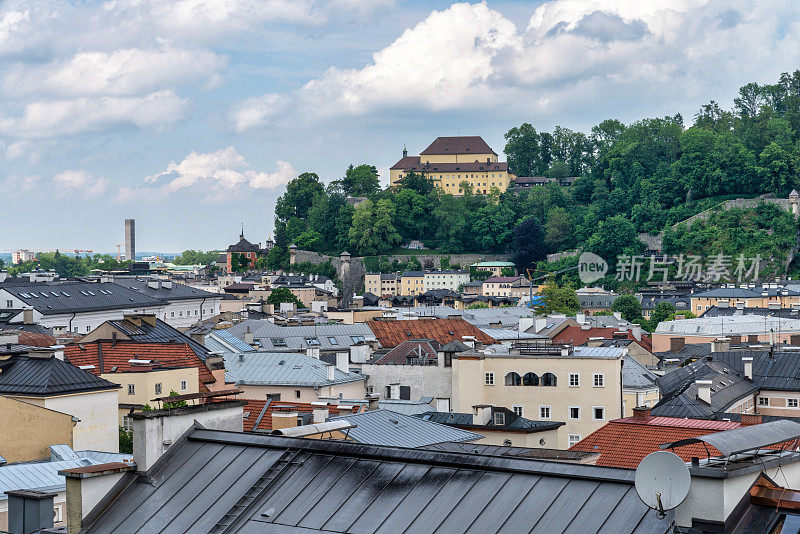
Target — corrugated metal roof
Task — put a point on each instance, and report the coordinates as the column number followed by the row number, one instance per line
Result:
column 383, row 427
column 274, row 337
column 282, row 369
column 635, row 375
column 342, row 487
column 222, row 340
column 746, row 438
column 44, row 475
column 76, row 297
column 501, row 334
column 726, row 325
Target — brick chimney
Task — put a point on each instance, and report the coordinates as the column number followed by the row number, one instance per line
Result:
column 641, row 412
column 749, row 419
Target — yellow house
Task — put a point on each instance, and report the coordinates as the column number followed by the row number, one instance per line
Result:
column 412, row 283
column 581, row 387
column 450, row 161
column 744, row 297
column 27, row 430
column 141, row 387
column 381, row 284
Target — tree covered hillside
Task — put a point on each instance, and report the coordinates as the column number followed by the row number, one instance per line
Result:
column 639, row 177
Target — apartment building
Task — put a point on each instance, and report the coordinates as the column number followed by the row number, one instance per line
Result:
column 412, row 283
column 767, row 296
column 506, row 286
column 581, row 386
column 451, row 280
column 381, row 284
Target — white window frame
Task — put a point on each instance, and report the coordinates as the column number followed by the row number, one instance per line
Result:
column 795, row 402
column 763, row 401
column 594, row 413
column 520, row 412
column 602, row 377
column 488, row 379
column 158, row 388
column 577, row 377
column 570, row 413
column 184, row 385
column 131, row 389
column 573, row 439
column 549, row 412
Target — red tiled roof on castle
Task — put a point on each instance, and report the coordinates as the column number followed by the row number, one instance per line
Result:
column 465, row 144
column 391, row 333
column 253, row 409
column 118, row 354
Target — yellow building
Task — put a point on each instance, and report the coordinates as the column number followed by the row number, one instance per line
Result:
column 27, row 430
column 450, row 161
column 412, row 283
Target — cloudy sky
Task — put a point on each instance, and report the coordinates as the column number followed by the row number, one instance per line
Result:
column 191, row 115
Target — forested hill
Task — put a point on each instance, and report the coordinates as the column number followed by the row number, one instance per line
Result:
column 639, row 177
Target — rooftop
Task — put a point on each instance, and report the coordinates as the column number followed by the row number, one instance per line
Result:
column 44, row 377
column 76, row 297
column 466, row 144
column 282, row 369
column 391, row 333
column 258, row 413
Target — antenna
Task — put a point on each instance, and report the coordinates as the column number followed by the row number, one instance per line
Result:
column 662, row 481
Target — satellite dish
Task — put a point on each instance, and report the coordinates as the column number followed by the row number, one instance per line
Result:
column 662, row 481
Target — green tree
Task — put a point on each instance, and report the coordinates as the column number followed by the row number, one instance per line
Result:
column 615, row 236
column 372, row 231
column 239, row 262
column 558, row 299
column 558, row 229
column 125, row 441
column 300, row 195
column 418, row 182
column 629, row 306
column 522, row 150
column 661, row 312
column 361, row 181
column 529, row 245
column 282, row 294
column 412, row 215
column 195, row 257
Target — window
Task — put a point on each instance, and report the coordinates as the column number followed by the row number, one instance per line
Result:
column 575, row 412
column 530, row 379
column 126, row 423
column 791, row 403
column 9, row 303
column 499, row 419
column 278, row 342
column 763, row 401
column 172, row 314
column 312, row 342
column 599, row 380
column 88, row 328
column 518, row 409
column 297, row 394
column 448, row 359
column 544, row 412
column 158, row 389
column 513, row 379
column 549, row 379
column 273, row 396
column 599, row 413
column 131, row 389
column 405, row 392
column 388, row 394
column 489, row 379
column 574, row 380
column 184, row 385
column 333, row 341
column 572, row 439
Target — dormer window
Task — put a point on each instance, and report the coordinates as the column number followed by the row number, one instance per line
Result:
column 499, row 419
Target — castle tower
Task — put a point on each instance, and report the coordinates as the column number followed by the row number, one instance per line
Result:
column 794, row 201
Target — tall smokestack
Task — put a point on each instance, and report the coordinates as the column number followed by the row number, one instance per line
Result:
column 130, row 239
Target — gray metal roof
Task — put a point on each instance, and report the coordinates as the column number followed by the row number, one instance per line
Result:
column 746, row 438
column 224, row 341
column 635, row 375
column 384, row 427
column 338, row 487
column 77, row 297
column 282, row 369
column 274, row 337
column 43, row 476
column 172, row 291
column 779, row 371
column 501, row 334
column 723, row 326
column 25, row 375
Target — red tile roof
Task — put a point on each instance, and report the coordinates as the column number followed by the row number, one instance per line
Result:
column 391, row 333
column 32, row 339
column 117, row 354
column 625, row 442
column 579, row 336
column 254, row 407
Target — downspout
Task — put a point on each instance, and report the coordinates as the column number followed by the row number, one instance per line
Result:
column 69, row 327
column 621, row 390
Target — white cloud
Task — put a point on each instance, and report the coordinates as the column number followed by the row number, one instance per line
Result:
column 128, row 71
column 217, row 174
column 50, row 118
column 14, row 185
column 79, row 181
column 470, row 57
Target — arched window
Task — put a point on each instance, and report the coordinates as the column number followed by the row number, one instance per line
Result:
column 530, row 379
column 549, row 379
column 513, row 379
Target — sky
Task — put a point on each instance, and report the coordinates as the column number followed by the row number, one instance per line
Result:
column 192, row 115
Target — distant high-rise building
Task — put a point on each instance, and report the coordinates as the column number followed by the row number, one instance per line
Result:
column 130, row 239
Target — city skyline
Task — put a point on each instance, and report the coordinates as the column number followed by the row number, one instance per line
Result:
column 175, row 113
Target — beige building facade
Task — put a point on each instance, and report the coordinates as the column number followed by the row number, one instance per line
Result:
column 381, row 284
column 412, row 283
column 581, row 387
column 451, row 280
column 28, row 430
column 141, row 387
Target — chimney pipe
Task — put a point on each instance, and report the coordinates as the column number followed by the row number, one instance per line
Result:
column 343, row 361
column 320, row 410
column 748, row 366
column 704, row 390
column 749, row 419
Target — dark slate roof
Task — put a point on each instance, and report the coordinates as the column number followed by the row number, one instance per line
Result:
column 76, row 297
column 779, row 371
column 343, row 487
column 417, row 351
column 511, row 452
column 160, row 333
column 385, row 427
column 689, row 351
column 174, row 292
column 242, row 246
column 414, row 164
column 465, row 144
column 455, row 346
column 782, row 313
column 24, row 375
column 513, row 422
column 728, row 292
